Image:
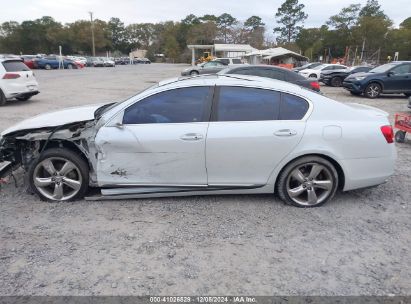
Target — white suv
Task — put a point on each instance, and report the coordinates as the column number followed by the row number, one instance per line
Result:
column 16, row 80
column 316, row 72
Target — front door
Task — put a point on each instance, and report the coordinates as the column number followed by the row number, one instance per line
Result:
column 161, row 142
column 399, row 79
column 251, row 132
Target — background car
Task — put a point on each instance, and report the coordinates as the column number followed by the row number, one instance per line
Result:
column 274, row 72
column 316, row 72
column 211, row 67
column 141, row 61
column 335, row 78
column 390, row 78
column 52, row 62
column 108, row 62
column 307, row 66
column 16, row 80
column 30, row 60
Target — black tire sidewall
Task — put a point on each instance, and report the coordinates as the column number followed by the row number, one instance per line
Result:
column 66, row 154
column 281, row 188
column 400, row 136
column 3, row 99
column 194, row 73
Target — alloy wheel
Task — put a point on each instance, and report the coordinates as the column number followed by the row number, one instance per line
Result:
column 310, row 184
column 57, row 179
column 373, row 90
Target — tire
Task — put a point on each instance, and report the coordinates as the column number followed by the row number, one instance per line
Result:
column 336, row 81
column 23, row 98
column 400, row 136
column 373, row 90
column 51, row 184
column 47, row 67
column 3, row 99
column 312, row 179
column 355, row 93
column 407, row 94
column 70, row 66
column 194, row 73
column 313, row 76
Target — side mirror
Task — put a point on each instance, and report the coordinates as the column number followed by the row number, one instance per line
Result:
column 389, row 74
column 117, row 121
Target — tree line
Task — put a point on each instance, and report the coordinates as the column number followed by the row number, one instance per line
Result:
column 362, row 31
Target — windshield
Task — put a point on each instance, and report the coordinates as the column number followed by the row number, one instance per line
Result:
column 383, row 68
column 107, row 107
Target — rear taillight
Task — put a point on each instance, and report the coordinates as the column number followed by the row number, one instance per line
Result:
column 11, row 76
column 388, row 134
column 315, row 85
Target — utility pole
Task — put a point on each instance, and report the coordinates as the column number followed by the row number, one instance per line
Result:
column 92, row 34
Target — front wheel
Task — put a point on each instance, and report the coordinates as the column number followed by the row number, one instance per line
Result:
column 336, row 82
column 307, row 182
column 373, row 90
column 47, row 67
column 400, row 136
column 59, row 175
column 3, row 99
column 194, row 73
column 312, row 76
column 70, row 67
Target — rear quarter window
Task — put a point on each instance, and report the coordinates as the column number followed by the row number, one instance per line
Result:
column 15, row 66
column 292, row 107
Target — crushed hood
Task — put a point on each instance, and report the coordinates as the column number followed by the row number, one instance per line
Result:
column 56, row 118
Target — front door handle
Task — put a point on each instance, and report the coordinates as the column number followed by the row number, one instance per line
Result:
column 285, row 132
column 191, row 136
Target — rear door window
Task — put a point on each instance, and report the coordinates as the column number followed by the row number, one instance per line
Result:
column 15, row 66
column 292, row 107
column 247, row 104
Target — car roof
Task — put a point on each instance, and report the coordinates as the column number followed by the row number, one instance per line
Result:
column 228, row 80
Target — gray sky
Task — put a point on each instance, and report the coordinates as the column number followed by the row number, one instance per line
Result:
column 136, row 11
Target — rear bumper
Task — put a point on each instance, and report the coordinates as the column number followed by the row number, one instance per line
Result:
column 23, row 94
column 368, row 172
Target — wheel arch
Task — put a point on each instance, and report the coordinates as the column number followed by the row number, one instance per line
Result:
column 336, row 164
column 377, row 81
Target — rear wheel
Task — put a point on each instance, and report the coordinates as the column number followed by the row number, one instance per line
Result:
column 2, row 98
column 308, row 182
column 336, row 81
column 194, row 73
column 70, row 66
column 47, row 67
column 373, row 90
column 312, row 76
column 59, row 175
column 400, row 136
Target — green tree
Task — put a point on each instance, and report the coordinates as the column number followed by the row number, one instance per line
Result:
column 289, row 16
column 372, row 9
column 406, row 23
column 254, row 22
column 224, row 23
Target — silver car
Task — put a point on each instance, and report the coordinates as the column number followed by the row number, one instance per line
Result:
column 216, row 134
column 211, row 67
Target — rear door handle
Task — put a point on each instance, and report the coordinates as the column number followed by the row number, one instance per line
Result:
column 285, row 132
column 191, row 136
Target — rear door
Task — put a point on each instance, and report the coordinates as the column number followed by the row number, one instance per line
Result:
column 251, row 131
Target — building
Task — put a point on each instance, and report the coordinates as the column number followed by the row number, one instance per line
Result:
column 138, row 53
column 275, row 56
column 221, row 50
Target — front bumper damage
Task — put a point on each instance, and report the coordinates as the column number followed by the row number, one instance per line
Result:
column 21, row 148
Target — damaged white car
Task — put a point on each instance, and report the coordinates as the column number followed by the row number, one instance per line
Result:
column 223, row 134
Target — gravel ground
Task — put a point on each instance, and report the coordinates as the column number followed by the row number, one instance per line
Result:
column 358, row 244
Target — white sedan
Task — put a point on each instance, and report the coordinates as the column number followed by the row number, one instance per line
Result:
column 16, row 80
column 316, row 72
column 221, row 134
